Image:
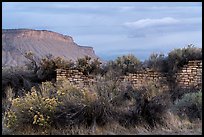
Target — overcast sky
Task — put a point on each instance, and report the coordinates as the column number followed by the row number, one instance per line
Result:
column 113, row 28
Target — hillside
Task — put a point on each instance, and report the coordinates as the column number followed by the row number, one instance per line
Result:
column 15, row 42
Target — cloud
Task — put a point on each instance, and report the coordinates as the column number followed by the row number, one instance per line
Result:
column 160, row 27
column 143, row 23
column 131, row 27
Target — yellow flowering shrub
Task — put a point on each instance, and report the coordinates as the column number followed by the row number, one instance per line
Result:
column 35, row 108
column 41, row 120
column 89, row 97
column 47, row 89
column 11, row 119
column 55, row 104
column 39, row 107
column 67, row 92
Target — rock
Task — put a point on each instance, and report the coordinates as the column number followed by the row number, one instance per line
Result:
column 15, row 42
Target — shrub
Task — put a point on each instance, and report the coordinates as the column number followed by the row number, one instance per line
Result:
column 107, row 88
column 155, row 111
column 179, row 57
column 6, row 102
column 96, row 67
column 156, row 62
column 32, row 109
column 151, row 106
column 88, row 66
column 45, row 68
column 57, row 105
column 190, row 106
column 117, row 97
column 177, row 92
column 48, row 65
column 17, row 78
column 151, row 89
column 125, row 64
column 87, row 107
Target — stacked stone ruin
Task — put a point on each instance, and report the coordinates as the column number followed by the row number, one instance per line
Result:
column 145, row 77
column 190, row 75
column 74, row 77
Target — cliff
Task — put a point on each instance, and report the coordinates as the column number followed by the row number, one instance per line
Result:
column 15, row 42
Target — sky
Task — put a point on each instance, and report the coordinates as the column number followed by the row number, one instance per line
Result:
column 113, row 28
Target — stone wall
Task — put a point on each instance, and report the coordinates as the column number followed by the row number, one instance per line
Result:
column 146, row 77
column 189, row 76
column 74, row 77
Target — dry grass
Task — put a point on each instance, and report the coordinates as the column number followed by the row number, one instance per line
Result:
column 185, row 128
column 115, row 109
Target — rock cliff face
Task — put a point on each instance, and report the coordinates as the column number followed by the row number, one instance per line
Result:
column 15, row 42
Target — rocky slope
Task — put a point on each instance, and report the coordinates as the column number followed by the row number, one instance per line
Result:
column 15, row 42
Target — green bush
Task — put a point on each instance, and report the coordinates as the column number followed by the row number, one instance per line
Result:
column 48, row 65
column 124, row 64
column 178, row 92
column 151, row 105
column 155, row 111
column 58, row 104
column 174, row 60
column 179, row 57
column 151, row 89
column 189, row 106
column 156, row 62
column 17, row 78
column 88, row 66
column 45, row 68
column 31, row 109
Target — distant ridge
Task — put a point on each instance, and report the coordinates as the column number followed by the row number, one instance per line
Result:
column 15, row 42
